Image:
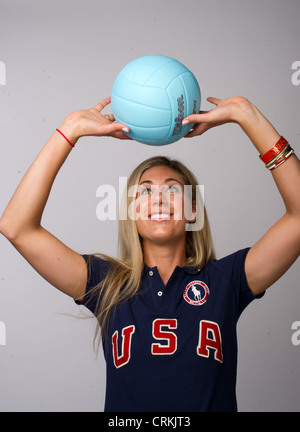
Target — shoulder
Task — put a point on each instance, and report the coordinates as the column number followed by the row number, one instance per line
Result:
column 231, row 264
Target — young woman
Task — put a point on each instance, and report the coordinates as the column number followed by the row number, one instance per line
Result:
column 167, row 308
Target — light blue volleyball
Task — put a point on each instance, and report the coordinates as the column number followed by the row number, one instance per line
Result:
column 152, row 95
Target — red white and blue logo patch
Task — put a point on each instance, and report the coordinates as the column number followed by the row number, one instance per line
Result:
column 196, row 293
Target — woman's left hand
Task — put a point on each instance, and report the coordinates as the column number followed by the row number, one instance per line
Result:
column 226, row 111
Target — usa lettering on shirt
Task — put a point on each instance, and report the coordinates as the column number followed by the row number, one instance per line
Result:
column 162, row 331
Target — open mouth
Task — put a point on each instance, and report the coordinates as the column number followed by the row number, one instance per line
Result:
column 160, row 216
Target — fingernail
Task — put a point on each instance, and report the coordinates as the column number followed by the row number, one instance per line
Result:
column 185, row 122
column 125, row 129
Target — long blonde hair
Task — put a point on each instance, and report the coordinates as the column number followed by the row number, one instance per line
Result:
column 124, row 276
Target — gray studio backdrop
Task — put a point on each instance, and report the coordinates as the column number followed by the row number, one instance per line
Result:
column 59, row 56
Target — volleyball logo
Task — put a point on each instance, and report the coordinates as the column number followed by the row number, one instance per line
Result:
column 152, row 95
column 196, row 293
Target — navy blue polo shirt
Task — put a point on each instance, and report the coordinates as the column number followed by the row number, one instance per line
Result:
column 173, row 348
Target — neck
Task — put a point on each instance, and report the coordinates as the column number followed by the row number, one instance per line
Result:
column 165, row 258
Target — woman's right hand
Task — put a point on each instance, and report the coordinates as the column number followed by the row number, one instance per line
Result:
column 93, row 122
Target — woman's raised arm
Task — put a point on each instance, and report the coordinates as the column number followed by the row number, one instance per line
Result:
column 21, row 220
column 272, row 255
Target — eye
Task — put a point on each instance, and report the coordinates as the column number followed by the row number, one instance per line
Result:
column 174, row 189
column 144, row 190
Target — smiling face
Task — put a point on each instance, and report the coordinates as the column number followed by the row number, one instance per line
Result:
column 160, row 206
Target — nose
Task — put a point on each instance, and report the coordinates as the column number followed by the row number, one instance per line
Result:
column 158, row 197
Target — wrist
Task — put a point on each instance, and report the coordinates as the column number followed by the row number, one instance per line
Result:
column 244, row 112
column 258, row 129
column 70, row 129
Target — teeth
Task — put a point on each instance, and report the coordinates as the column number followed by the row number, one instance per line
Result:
column 160, row 216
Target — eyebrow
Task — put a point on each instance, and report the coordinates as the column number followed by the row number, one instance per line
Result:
column 166, row 181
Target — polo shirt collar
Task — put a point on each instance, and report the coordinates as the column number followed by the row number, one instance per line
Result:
column 186, row 269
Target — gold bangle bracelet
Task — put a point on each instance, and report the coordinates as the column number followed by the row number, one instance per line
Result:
column 280, row 155
column 282, row 160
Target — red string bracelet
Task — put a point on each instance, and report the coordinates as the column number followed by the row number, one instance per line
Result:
column 65, row 138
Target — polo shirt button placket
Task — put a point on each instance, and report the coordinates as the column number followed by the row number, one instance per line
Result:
column 151, row 273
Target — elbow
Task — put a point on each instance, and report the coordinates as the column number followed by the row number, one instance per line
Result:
column 293, row 228
column 7, row 230
column 14, row 232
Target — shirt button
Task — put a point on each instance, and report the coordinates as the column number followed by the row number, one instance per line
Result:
column 159, row 293
column 150, row 273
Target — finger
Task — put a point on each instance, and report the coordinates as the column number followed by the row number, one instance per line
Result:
column 213, row 100
column 121, row 135
column 110, row 117
column 198, row 130
column 116, row 130
column 109, row 128
column 102, row 104
column 196, row 118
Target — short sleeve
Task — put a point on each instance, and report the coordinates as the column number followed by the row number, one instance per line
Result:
column 234, row 267
column 97, row 271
